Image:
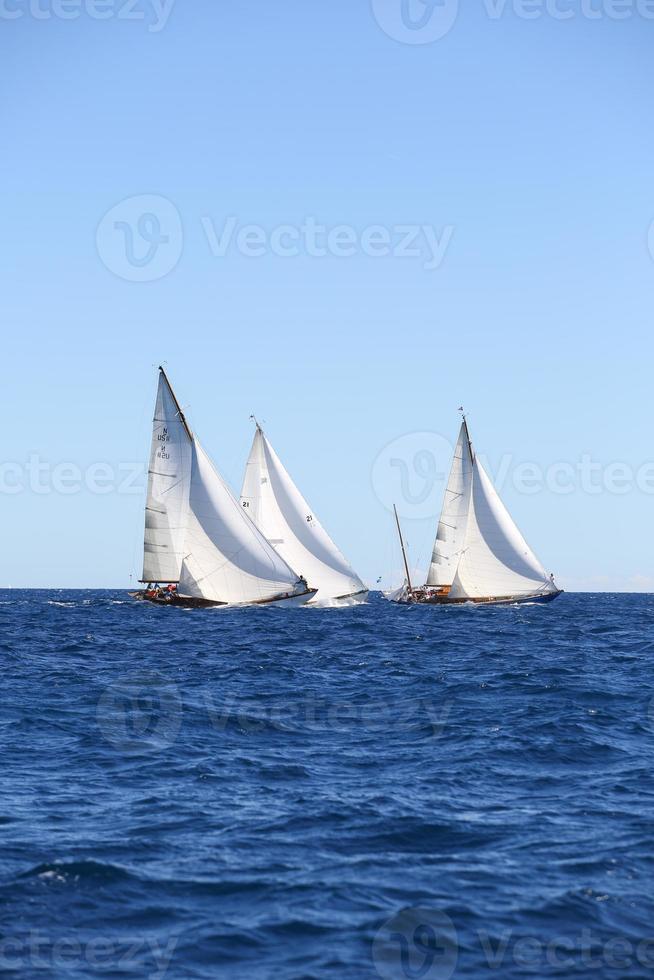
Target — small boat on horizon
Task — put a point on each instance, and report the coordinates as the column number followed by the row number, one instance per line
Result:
column 275, row 504
column 479, row 554
column 200, row 547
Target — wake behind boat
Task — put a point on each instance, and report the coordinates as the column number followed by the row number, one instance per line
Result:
column 284, row 517
column 200, row 547
column 479, row 554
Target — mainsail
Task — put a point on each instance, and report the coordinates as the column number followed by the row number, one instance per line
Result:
column 196, row 533
column 479, row 550
column 168, row 488
column 454, row 515
column 281, row 513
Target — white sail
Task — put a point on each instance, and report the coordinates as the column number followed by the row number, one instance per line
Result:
column 454, row 515
column 284, row 517
column 227, row 559
column 496, row 559
column 168, row 488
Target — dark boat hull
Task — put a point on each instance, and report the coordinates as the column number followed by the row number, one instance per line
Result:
column 190, row 602
column 444, row 600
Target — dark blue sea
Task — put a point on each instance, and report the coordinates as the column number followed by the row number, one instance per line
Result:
column 383, row 791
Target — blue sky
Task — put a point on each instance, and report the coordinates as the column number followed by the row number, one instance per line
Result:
column 524, row 146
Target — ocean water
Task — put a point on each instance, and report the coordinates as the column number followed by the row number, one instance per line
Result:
column 382, row 791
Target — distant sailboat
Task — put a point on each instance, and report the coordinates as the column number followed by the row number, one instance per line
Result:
column 479, row 554
column 283, row 516
column 200, row 546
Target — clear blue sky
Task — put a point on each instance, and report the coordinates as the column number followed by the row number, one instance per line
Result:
column 532, row 140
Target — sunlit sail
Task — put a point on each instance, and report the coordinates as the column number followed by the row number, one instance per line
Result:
column 200, row 546
column 479, row 553
column 284, row 517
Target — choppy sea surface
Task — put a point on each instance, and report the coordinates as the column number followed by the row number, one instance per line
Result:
column 381, row 791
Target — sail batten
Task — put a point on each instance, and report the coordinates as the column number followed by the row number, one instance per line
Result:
column 282, row 514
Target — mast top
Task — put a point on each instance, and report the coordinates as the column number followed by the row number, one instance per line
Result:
column 182, row 417
column 464, row 417
column 256, row 422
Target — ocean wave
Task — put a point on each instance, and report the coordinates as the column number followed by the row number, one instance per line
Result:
column 270, row 792
column 67, row 872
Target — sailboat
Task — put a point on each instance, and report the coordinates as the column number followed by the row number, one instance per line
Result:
column 479, row 554
column 200, row 546
column 284, row 517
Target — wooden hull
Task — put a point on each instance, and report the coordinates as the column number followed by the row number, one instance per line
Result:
column 190, row 602
column 422, row 597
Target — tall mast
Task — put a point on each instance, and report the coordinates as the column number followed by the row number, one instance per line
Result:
column 182, row 417
column 406, row 564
